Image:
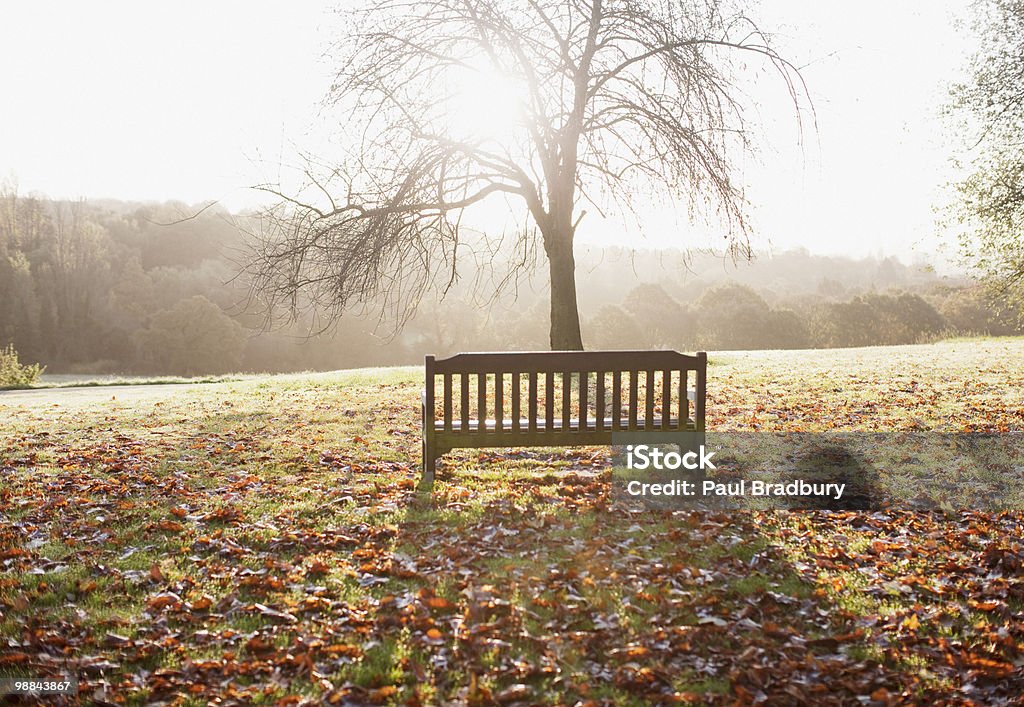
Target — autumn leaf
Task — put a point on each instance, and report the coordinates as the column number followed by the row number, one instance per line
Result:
column 155, row 573
column 381, row 694
column 911, row 623
column 439, row 603
column 318, row 567
column 202, row 603
column 344, row 650
column 162, row 601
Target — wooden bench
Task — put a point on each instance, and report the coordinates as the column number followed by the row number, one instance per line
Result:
column 559, row 398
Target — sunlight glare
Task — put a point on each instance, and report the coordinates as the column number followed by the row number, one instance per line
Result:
column 484, row 104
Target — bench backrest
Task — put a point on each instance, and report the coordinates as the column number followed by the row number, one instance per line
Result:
column 619, row 376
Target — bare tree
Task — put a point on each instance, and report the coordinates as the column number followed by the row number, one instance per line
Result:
column 613, row 98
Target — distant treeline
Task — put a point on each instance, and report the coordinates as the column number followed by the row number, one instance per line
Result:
column 733, row 316
column 106, row 286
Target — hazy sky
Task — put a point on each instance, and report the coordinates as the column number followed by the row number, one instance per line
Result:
column 199, row 100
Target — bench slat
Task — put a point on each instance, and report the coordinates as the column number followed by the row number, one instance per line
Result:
column 599, row 403
column 649, row 399
column 617, row 400
column 684, row 397
column 448, row 401
column 584, row 394
column 634, row 377
column 549, row 400
column 666, row 398
column 481, row 396
column 515, row 401
column 533, row 402
column 574, row 426
column 566, row 399
column 499, row 400
column 464, row 402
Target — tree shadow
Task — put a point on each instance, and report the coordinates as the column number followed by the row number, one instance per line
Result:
column 828, row 461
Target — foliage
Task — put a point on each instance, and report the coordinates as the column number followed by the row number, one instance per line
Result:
column 973, row 310
column 14, row 374
column 194, row 336
column 990, row 203
column 732, row 316
column 875, row 319
column 263, row 541
column 78, row 279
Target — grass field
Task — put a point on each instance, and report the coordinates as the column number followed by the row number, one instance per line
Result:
column 264, row 541
column 70, row 380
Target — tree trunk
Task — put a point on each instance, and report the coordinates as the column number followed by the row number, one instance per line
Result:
column 565, row 315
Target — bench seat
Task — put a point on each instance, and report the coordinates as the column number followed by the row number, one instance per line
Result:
column 556, row 426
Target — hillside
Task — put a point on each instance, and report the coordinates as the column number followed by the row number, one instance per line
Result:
column 264, row 539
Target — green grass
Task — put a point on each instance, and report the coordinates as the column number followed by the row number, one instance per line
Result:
column 267, row 533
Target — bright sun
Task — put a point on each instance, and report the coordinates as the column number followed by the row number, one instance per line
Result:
column 484, row 104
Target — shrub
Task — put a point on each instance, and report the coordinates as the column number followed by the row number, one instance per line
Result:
column 192, row 337
column 14, row 374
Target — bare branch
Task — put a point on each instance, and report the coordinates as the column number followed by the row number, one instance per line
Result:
column 613, row 97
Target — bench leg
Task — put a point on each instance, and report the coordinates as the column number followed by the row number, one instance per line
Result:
column 429, row 465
